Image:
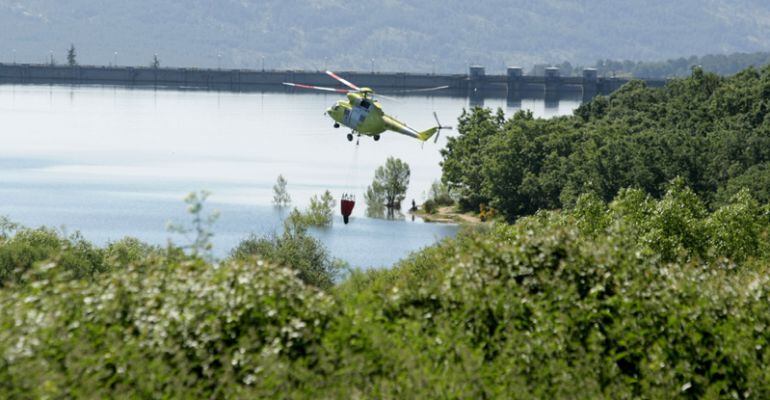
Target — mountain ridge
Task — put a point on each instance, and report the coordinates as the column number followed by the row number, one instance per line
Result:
column 392, row 35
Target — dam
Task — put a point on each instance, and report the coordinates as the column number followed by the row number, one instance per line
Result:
column 475, row 84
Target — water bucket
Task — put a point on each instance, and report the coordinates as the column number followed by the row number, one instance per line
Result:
column 346, row 204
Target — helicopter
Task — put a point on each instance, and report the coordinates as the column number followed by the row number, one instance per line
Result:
column 363, row 114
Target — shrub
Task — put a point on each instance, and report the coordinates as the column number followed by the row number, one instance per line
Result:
column 19, row 253
column 429, row 206
column 294, row 249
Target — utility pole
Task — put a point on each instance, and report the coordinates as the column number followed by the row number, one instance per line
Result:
column 116, row 58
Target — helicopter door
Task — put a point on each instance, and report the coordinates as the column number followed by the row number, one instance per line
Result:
column 356, row 117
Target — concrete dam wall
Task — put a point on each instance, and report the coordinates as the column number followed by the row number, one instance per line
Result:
column 476, row 84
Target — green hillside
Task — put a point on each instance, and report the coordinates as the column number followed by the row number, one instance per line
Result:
column 398, row 34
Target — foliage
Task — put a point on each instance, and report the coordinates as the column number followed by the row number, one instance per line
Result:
column 72, row 59
column 320, row 213
column 463, row 155
column 200, row 227
column 294, row 249
column 440, row 194
column 27, row 247
column 321, row 210
column 390, row 183
column 170, row 330
column 430, row 206
column 710, row 131
column 756, row 179
column 7, row 227
column 281, row 197
column 722, row 64
column 375, row 203
column 635, row 298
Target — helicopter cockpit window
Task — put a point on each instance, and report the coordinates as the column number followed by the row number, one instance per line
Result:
column 365, row 104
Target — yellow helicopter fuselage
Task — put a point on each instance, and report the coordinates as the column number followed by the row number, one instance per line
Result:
column 363, row 115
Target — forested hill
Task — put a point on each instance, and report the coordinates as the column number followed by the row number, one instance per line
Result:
column 711, row 132
column 397, row 34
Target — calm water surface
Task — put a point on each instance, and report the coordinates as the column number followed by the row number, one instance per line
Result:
column 113, row 162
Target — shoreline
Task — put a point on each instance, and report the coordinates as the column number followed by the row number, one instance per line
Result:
column 448, row 215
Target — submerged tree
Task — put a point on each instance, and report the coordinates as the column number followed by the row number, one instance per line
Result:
column 281, row 197
column 388, row 189
column 321, row 210
column 392, row 180
column 72, row 56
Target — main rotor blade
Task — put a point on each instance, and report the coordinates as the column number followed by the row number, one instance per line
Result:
column 388, row 98
column 344, row 82
column 433, row 89
column 326, row 89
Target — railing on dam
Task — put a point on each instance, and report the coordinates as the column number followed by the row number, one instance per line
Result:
column 476, row 84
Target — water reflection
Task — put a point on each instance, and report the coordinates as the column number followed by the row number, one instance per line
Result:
column 379, row 211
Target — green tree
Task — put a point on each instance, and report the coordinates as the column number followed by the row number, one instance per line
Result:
column 390, row 183
column 199, row 232
column 375, row 202
column 440, row 194
column 72, row 56
column 464, row 153
column 708, row 130
column 281, row 196
column 321, row 210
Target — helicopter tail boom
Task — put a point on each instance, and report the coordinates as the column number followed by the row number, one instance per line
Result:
column 427, row 134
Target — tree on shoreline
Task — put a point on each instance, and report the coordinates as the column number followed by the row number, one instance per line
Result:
column 72, row 56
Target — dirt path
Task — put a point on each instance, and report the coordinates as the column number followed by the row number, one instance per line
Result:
column 448, row 215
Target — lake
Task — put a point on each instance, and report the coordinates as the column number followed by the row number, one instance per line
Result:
column 113, row 162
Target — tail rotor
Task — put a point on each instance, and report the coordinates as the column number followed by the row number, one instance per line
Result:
column 440, row 127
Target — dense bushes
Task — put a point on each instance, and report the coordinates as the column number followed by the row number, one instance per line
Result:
column 634, row 298
column 711, row 131
column 294, row 249
column 159, row 330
